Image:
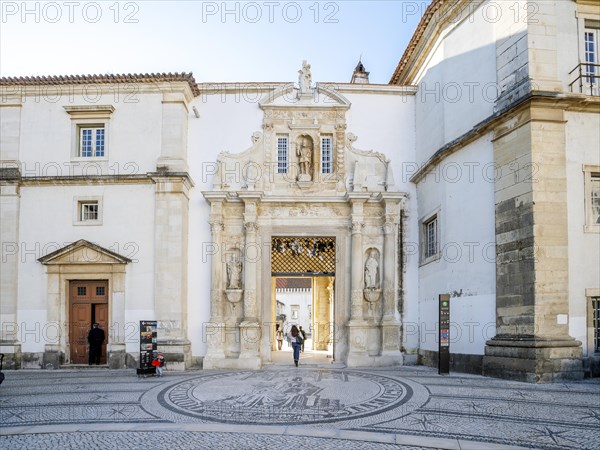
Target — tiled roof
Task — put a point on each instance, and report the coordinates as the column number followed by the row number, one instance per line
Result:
column 416, row 38
column 108, row 78
column 292, row 283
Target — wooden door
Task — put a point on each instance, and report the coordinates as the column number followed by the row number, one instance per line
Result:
column 89, row 304
column 81, row 314
column 100, row 315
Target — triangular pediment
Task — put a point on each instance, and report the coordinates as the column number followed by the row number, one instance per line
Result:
column 83, row 252
column 320, row 96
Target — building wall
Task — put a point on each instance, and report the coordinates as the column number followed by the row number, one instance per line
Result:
column 461, row 191
column 47, row 225
column 302, row 298
column 46, row 136
column 582, row 144
column 456, row 90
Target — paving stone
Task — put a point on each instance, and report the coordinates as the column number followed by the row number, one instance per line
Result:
column 283, row 407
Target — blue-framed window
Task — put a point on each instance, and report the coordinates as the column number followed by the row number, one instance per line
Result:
column 282, row 154
column 92, row 141
column 326, row 155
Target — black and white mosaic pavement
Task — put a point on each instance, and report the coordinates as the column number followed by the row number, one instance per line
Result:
column 286, row 407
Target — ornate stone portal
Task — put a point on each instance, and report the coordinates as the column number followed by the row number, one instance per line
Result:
column 303, row 177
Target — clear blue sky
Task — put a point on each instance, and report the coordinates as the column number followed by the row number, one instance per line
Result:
column 217, row 41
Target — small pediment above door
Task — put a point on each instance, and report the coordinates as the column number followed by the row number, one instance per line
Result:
column 83, row 252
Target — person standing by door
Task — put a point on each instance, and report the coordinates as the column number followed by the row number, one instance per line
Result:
column 95, row 340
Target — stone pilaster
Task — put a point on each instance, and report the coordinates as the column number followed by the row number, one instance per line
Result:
column 9, row 268
column 214, row 331
column 250, row 328
column 532, row 342
column 173, row 153
column 171, row 260
column 358, row 329
column 10, row 175
column 389, row 324
column 340, row 164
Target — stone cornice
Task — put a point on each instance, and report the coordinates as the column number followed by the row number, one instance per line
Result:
column 372, row 88
column 156, row 79
column 564, row 102
column 14, row 176
column 89, row 111
column 267, row 200
column 265, row 87
column 171, row 177
column 77, row 180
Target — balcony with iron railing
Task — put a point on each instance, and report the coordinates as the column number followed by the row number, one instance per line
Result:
column 587, row 81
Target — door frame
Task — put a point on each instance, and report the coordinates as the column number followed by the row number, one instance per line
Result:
column 341, row 307
column 92, row 302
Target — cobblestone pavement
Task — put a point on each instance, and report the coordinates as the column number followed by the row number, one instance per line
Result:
column 285, row 407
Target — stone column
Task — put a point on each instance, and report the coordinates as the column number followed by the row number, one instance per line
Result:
column 250, row 328
column 171, row 267
column 322, row 295
column 532, row 305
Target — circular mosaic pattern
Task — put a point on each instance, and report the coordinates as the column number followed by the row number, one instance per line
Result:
column 285, row 397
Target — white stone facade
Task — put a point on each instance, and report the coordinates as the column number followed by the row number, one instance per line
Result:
column 483, row 145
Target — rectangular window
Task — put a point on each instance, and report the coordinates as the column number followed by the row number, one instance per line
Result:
column 596, row 323
column 595, row 197
column 80, row 291
column 91, row 141
column 99, row 291
column 89, row 211
column 592, row 198
column 282, row 155
column 326, row 155
column 591, row 56
column 295, row 312
column 431, row 241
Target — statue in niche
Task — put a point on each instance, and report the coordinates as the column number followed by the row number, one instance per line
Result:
column 304, row 78
column 234, row 272
column 304, row 150
column 371, row 271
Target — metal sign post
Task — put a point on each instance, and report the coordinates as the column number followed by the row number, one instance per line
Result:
column 444, row 336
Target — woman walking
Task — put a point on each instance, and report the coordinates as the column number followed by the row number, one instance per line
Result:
column 295, row 338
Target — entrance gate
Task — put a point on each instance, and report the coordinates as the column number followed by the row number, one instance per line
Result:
column 312, row 258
